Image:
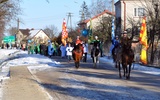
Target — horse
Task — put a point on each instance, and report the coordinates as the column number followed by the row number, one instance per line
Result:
column 95, row 54
column 127, row 59
column 77, row 54
column 117, row 54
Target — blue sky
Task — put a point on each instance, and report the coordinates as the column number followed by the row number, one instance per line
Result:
column 38, row 14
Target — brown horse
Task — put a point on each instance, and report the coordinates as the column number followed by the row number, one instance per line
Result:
column 117, row 55
column 127, row 59
column 77, row 54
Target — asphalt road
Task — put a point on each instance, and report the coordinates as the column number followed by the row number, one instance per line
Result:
column 101, row 83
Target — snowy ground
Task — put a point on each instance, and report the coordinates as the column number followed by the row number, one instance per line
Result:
column 22, row 58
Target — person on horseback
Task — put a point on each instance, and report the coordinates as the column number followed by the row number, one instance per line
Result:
column 78, row 41
column 124, row 39
column 115, row 43
column 96, row 43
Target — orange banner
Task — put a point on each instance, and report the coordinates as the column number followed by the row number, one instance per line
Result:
column 64, row 32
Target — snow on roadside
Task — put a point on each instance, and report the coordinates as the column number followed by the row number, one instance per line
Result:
column 141, row 68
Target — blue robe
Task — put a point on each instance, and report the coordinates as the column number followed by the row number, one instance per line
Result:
column 50, row 49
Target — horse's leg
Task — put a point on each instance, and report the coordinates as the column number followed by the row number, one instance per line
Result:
column 78, row 64
column 75, row 64
column 95, row 61
column 124, row 70
column 116, row 64
column 129, row 71
column 119, row 67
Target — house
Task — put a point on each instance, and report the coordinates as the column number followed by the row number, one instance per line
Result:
column 38, row 36
column 21, row 36
column 95, row 20
column 25, row 35
column 130, row 10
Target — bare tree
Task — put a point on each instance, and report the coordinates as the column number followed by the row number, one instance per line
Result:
column 51, row 31
column 99, row 6
column 103, row 30
column 12, row 30
column 9, row 10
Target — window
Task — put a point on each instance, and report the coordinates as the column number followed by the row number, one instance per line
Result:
column 139, row 11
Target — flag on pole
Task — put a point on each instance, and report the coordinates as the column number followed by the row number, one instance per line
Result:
column 64, row 33
column 112, row 34
column 90, row 32
column 143, row 41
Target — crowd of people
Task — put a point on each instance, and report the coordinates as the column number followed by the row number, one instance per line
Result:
column 65, row 51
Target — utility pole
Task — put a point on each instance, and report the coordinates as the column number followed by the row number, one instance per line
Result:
column 112, row 6
column 17, row 29
column 69, row 18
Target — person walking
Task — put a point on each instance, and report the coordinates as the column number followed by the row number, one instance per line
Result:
column 69, row 52
column 50, row 49
column 63, row 51
column 85, row 49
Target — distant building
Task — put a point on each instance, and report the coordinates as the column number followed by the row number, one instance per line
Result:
column 127, row 10
column 37, row 36
column 95, row 20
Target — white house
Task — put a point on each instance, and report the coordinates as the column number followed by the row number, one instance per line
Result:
column 127, row 10
column 35, row 35
column 38, row 36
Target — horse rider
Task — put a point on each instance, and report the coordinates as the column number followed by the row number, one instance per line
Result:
column 124, row 39
column 96, row 43
column 115, row 43
column 78, row 41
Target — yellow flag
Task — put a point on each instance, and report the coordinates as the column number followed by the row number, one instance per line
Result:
column 143, row 41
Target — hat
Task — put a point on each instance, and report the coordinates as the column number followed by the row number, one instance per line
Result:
column 125, row 32
column 96, row 37
column 116, row 36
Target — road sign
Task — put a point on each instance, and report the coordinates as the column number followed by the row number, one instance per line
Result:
column 9, row 39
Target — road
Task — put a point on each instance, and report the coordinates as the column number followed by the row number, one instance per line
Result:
column 102, row 83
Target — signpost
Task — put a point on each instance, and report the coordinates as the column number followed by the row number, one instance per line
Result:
column 9, row 39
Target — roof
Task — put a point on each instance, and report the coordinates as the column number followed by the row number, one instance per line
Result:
column 33, row 33
column 104, row 12
column 24, row 31
column 128, row 0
